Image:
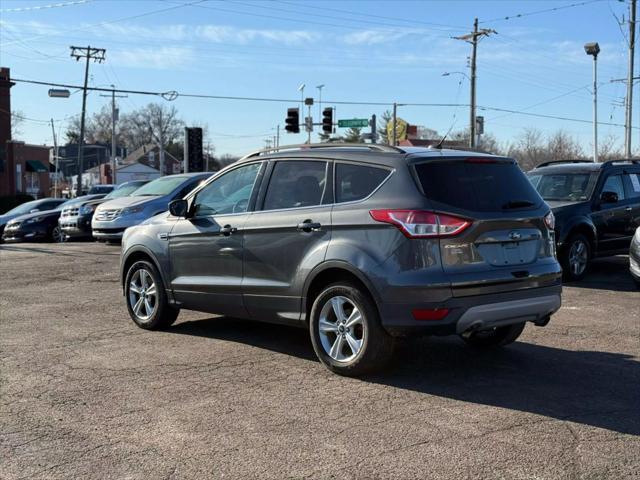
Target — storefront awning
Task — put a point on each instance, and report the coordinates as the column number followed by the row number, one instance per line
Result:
column 36, row 166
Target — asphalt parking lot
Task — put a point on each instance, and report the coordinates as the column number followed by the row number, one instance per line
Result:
column 86, row 394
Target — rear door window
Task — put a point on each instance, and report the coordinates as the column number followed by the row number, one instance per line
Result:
column 296, row 184
column 613, row 183
column 477, row 185
column 355, row 182
column 632, row 185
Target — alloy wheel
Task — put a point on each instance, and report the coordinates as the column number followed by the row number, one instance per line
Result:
column 57, row 235
column 143, row 294
column 342, row 329
column 578, row 257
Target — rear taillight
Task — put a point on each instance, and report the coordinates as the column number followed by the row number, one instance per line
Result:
column 550, row 220
column 422, row 224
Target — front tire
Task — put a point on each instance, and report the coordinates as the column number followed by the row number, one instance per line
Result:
column 57, row 236
column 346, row 332
column 496, row 337
column 146, row 298
column 575, row 257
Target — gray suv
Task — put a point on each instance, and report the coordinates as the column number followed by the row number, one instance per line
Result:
column 360, row 244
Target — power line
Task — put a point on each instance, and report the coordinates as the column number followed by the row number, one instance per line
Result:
column 538, row 12
column 44, row 7
column 369, row 15
column 172, row 95
column 116, row 20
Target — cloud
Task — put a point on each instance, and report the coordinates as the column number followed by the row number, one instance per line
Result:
column 374, row 37
column 164, row 58
column 222, row 33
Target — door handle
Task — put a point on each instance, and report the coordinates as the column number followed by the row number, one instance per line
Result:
column 309, row 226
column 228, row 230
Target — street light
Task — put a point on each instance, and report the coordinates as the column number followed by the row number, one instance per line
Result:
column 447, row 74
column 301, row 90
column 320, row 87
column 593, row 49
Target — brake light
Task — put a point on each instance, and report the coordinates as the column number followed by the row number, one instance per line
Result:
column 422, row 224
column 550, row 220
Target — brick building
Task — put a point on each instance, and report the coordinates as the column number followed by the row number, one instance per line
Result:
column 23, row 168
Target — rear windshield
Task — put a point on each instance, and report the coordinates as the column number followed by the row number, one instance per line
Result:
column 477, row 185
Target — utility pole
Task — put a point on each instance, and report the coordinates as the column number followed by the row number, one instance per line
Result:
column 55, row 160
column 96, row 54
column 114, row 144
column 629, row 98
column 395, row 124
column 278, row 136
column 473, row 38
column 161, row 155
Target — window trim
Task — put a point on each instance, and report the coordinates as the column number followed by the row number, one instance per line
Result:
column 191, row 197
column 328, row 190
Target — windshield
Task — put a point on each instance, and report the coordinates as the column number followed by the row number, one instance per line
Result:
column 161, row 186
column 123, row 191
column 567, row 187
column 22, row 209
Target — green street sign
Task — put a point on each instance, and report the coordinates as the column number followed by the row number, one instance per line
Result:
column 353, row 123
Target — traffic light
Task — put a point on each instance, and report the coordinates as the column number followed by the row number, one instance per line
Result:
column 193, row 149
column 327, row 120
column 293, row 120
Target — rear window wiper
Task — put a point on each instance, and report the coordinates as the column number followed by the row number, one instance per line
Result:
column 517, row 204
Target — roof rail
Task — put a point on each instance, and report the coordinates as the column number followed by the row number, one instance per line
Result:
column 622, row 161
column 558, row 162
column 310, row 146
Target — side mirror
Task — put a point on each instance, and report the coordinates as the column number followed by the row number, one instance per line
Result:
column 179, row 208
column 609, row 197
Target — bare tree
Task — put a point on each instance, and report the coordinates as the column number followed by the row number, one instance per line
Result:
column 528, row 148
column 17, row 121
column 561, row 146
column 97, row 128
column 150, row 124
column 385, row 118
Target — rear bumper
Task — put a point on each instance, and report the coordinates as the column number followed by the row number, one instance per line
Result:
column 475, row 312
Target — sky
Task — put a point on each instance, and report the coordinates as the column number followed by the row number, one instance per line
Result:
column 362, row 51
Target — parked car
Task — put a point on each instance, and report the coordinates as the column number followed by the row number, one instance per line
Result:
column 29, row 207
column 357, row 243
column 112, row 218
column 40, row 225
column 634, row 257
column 596, row 205
column 103, row 188
column 75, row 220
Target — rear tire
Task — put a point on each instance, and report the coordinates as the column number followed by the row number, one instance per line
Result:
column 146, row 298
column 497, row 337
column 575, row 257
column 346, row 332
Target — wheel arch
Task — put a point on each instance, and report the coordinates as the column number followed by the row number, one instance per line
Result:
column 330, row 272
column 585, row 228
column 136, row 254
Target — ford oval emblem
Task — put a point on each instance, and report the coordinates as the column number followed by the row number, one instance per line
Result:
column 515, row 235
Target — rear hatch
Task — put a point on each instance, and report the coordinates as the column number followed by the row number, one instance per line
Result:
column 508, row 245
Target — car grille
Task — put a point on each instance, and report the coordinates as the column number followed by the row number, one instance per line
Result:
column 107, row 214
column 70, row 212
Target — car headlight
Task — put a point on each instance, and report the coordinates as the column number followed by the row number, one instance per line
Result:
column 131, row 210
column 29, row 221
column 86, row 209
